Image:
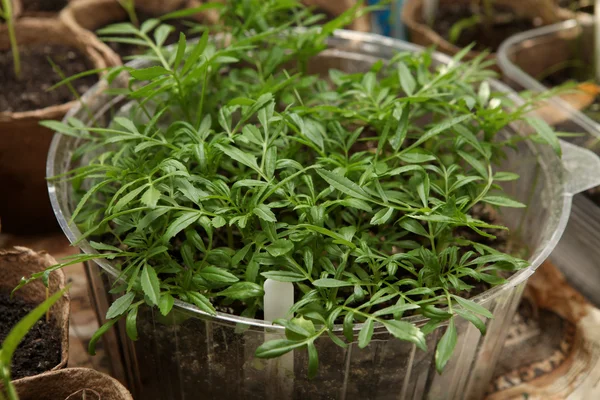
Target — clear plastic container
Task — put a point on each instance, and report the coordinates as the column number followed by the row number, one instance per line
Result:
column 190, row 355
column 524, row 58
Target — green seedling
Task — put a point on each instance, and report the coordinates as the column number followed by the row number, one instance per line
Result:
column 6, row 13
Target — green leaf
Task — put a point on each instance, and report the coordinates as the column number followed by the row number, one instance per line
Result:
column 197, row 51
column 475, row 163
column 276, row 348
column 18, row 332
column 503, row 201
column 474, row 319
column 151, row 197
column 200, row 301
column 128, row 198
column 401, row 131
column 407, row 82
column 331, row 283
column 161, row 34
column 472, row 306
column 484, row 93
column 366, row 333
column 165, row 304
column 349, row 326
column 123, row 28
column 344, row 185
column 546, row 133
column 284, row 276
column 356, row 203
column 406, row 331
column 150, row 284
column 146, row 74
column 280, row 247
column 131, row 324
column 505, row 176
column 98, row 334
column 264, row 212
column 242, row 291
column 414, row 227
column 218, row 275
column 382, row 216
column 183, row 221
column 445, row 347
column 237, row 155
column 398, row 308
column 120, row 306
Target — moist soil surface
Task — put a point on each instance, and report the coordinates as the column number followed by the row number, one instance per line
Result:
column 40, row 350
column 586, row 6
column 43, row 5
column 29, row 92
column 505, row 24
column 126, row 50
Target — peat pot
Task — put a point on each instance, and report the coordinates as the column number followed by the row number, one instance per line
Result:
column 71, row 384
column 527, row 60
column 188, row 352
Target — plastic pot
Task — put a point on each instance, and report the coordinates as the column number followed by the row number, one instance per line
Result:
column 189, row 352
column 420, row 32
column 524, row 59
column 22, row 262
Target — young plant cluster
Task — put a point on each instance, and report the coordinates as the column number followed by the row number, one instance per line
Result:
column 235, row 163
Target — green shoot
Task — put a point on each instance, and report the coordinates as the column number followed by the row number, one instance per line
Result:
column 6, row 13
column 129, row 6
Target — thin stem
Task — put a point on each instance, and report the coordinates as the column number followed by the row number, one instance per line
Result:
column 9, row 18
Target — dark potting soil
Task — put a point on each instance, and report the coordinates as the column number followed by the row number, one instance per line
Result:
column 43, row 5
column 30, row 91
column 483, row 36
column 40, row 350
column 126, row 50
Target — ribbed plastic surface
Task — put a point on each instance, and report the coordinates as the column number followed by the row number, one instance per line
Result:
column 524, row 59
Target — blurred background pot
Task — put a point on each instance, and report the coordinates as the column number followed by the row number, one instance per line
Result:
column 24, row 204
column 539, row 60
column 425, row 32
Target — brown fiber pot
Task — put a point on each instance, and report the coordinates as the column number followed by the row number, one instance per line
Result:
column 337, row 7
column 24, row 203
column 90, row 15
column 69, row 384
column 421, row 33
column 22, row 262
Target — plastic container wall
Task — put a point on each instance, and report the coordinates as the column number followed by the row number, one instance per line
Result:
column 524, row 59
column 190, row 355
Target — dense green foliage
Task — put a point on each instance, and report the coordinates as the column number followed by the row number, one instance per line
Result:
column 236, row 163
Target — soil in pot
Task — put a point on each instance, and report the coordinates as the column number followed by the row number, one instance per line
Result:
column 125, row 50
column 40, row 350
column 586, row 6
column 505, row 24
column 43, row 5
column 37, row 75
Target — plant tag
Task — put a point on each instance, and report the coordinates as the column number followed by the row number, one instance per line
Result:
column 278, row 299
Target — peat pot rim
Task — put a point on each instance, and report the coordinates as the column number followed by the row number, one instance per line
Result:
column 33, row 31
column 367, row 46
